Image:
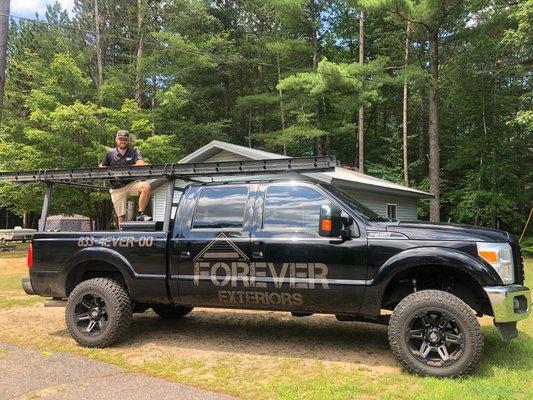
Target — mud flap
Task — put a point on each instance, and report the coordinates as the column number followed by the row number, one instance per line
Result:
column 507, row 330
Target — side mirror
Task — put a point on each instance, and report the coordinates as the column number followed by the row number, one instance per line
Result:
column 331, row 221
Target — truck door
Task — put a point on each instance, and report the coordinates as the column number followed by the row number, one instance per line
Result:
column 212, row 249
column 295, row 267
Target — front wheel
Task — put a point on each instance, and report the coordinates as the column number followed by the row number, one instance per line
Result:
column 434, row 333
column 98, row 312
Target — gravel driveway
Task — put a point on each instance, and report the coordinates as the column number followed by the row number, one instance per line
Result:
column 29, row 374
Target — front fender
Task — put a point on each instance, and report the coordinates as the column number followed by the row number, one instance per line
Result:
column 436, row 256
column 432, row 256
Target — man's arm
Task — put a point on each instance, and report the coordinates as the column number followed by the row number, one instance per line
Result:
column 105, row 161
column 138, row 158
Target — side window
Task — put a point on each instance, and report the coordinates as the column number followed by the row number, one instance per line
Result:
column 292, row 207
column 220, row 208
column 391, row 211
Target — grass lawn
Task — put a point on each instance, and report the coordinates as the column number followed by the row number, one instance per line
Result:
column 270, row 355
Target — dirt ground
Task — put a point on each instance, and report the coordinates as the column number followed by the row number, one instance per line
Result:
column 205, row 341
column 258, row 338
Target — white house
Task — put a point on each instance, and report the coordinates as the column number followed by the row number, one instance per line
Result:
column 383, row 197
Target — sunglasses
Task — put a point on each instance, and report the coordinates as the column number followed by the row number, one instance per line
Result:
column 124, row 139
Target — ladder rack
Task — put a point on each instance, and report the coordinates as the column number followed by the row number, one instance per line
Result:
column 186, row 171
column 174, row 170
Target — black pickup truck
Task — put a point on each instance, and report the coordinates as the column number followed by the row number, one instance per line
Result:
column 296, row 246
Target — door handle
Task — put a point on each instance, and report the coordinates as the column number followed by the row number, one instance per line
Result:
column 258, row 249
column 186, row 253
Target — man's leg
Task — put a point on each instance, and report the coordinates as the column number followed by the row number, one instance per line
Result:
column 119, row 197
column 121, row 219
column 144, row 195
column 141, row 189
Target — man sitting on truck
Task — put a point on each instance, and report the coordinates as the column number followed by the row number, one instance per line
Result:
column 121, row 189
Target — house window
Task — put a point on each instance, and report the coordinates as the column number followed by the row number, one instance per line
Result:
column 391, row 211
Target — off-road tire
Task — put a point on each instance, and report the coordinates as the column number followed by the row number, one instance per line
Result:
column 119, row 312
column 167, row 311
column 463, row 316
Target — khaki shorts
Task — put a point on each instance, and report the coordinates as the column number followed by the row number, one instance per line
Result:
column 120, row 196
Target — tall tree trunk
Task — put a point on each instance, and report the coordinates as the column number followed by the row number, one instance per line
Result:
column 434, row 151
column 314, row 44
column 360, row 123
column 421, row 133
column 250, row 128
column 4, row 30
column 281, row 110
column 405, row 108
column 261, row 107
column 99, row 62
column 140, row 51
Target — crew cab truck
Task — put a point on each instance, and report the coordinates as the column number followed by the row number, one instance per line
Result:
column 296, row 246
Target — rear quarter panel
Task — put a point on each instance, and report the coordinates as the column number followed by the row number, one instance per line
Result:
column 140, row 257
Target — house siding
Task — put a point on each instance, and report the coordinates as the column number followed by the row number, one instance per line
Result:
column 159, row 199
column 406, row 207
column 225, row 155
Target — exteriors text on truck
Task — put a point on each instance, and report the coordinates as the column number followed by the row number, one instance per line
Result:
column 296, row 246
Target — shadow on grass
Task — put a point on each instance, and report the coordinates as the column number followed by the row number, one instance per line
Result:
column 516, row 355
column 318, row 337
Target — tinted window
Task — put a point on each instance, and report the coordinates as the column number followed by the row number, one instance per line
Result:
column 220, row 208
column 292, row 207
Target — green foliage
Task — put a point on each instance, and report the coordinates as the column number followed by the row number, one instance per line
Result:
column 526, row 245
column 160, row 149
column 279, row 75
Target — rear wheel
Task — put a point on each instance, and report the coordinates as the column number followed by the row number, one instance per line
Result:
column 167, row 311
column 434, row 333
column 98, row 312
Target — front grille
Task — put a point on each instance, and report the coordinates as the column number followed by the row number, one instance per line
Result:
column 518, row 262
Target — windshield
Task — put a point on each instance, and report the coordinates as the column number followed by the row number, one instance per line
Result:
column 355, row 204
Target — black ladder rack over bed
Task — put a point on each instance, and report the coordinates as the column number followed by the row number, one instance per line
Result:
column 183, row 171
column 187, row 171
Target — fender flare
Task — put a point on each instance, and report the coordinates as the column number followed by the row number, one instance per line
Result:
column 108, row 256
column 479, row 270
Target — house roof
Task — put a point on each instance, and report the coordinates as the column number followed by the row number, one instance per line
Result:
column 340, row 177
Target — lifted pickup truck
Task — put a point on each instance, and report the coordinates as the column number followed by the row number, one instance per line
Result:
column 296, row 246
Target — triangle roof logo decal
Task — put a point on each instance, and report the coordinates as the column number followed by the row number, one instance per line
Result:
column 221, row 248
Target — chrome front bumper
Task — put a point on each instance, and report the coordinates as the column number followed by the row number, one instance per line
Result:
column 509, row 304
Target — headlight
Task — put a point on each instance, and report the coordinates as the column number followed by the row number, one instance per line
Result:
column 500, row 256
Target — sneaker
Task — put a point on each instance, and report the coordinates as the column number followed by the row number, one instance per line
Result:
column 142, row 217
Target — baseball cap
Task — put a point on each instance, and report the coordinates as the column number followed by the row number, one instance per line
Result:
column 122, row 133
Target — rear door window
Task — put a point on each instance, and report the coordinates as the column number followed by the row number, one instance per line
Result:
column 220, row 208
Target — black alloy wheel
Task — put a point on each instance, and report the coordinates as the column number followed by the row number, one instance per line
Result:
column 434, row 333
column 90, row 314
column 99, row 312
column 435, row 338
